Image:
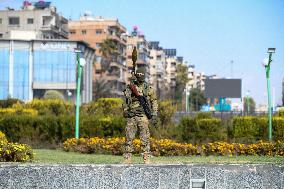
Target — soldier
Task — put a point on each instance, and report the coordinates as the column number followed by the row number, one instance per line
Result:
column 136, row 115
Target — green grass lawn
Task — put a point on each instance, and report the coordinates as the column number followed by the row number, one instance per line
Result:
column 59, row 156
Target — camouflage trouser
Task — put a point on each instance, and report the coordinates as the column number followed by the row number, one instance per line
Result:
column 130, row 131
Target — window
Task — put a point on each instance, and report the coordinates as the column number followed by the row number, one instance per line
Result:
column 30, row 21
column 159, row 57
column 1, row 35
column 14, row 21
column 98, row 32
column 84, row 32
column 0, row 20
column 72, row 32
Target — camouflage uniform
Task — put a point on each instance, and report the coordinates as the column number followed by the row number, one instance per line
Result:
column 136, row 117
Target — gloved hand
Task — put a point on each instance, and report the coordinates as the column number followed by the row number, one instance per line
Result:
column 125, row 114
column 154, row 120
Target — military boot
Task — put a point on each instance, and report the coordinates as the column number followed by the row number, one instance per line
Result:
column 146, row 158
column 127, row 158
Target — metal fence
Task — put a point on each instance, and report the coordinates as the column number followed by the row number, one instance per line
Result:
column 218, row 114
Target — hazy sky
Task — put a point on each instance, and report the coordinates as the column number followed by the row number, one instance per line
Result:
column 207, row 33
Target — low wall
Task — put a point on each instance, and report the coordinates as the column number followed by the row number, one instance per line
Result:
column 120, row 176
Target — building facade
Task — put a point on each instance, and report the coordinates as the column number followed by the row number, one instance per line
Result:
column 171, row 69
column 136, row 39
column 157, row 68
column 94, row 31
column 28, row 68
column 34, row 21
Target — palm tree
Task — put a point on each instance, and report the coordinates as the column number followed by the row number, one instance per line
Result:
column 107, row 48
column 101, row 88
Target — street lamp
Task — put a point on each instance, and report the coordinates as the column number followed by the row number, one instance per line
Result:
column 266, row 63
column 81, row 62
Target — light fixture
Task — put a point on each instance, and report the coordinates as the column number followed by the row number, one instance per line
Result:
column 271, row 50
column 82, row 62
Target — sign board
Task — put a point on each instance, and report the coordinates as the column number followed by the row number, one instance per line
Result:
column 223, row 88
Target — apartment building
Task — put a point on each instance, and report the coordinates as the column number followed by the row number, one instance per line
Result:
column 138, row 40
column 37, row 20
column 171, row 69
column 94, row 31
column 157, row 68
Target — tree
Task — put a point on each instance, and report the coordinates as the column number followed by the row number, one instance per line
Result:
column 196, row 99
column 107, row 48
column 249, row 101
column 101, row 89
column 181, row 80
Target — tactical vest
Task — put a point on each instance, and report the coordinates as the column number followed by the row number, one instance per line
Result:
column 134, row 104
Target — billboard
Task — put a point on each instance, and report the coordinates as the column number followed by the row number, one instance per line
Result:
column 223, row 88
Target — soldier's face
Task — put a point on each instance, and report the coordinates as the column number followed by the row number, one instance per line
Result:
column 140, row 77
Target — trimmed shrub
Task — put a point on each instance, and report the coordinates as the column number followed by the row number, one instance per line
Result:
column 51, row 106
column 28, row 111
column 53, row 94
column 14, row 151
column 103, row 106
column 252, row 129
column 9, row 102
column 166, row 112
column 281, row 113
column 166, row 147
column 201, row 130
column 51, row 130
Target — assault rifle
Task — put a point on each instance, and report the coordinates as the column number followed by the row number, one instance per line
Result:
column 142, row 99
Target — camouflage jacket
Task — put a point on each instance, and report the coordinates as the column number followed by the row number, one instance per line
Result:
column 132, row 105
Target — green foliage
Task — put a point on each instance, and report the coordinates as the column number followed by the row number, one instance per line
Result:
column 107, row 48
column 104, row 106
column 50, row 130
column 198, row 130
column 13, row 151
column 251, row 129
column 50, row 106
column 196, row 99
column 281, row 113
column 101, row 89
column 181, row 80
column 53, row 94
column 249, row 101
column 166, row 112
column 203, row 115
column 8, row 103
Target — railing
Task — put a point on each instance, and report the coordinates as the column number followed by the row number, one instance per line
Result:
column 221, row 115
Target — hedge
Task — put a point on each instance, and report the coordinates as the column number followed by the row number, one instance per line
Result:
column 251, row 129
column 51, row 130
column 197, row 130
column 167, row 147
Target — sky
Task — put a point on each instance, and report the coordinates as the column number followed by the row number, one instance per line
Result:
column 208, row 33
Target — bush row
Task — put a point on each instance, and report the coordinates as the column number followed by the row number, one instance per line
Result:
column 167, row 147
column 201, row 129
column 51, row 130
column 247, row 129
column 14, row 152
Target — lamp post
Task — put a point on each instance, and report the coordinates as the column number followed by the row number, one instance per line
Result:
column 80, row 64
column 266, row 64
